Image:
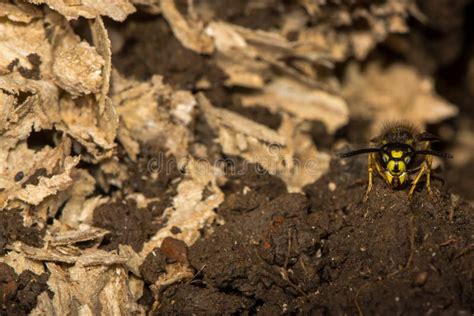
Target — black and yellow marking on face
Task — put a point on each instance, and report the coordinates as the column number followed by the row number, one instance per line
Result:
column 396, row 180
column 396, row 159
column 396, row 153
column 396, row 167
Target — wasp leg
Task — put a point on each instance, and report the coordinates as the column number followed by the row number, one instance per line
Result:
column 425, row 169
column 417, row 178
column 372, row 161
column 380, row 170
column 429, row 162
column 370, row 171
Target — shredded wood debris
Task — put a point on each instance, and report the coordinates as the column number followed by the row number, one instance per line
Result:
column 145, row 119
column 191, row 209
column 288, row 152
column 189, row 32
column 70, row 255
column 86, row 61
column 309, row 164
column 174, row 273
column 56, row 168
column 73, row 9
column 303, row 102
column 240, row 136
column 381, row 94
column 79, row 201
column 87, row 291
column 19, row 11
column 75, row 236
column 95, row 132
column 19, row 262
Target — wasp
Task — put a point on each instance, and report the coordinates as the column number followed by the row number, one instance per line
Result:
column 401, row 155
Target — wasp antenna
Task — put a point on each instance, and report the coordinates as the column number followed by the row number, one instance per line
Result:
column 434, row 153
column 359, row 152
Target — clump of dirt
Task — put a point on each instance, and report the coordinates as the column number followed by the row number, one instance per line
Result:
column 328, row 252
column 12, row 229
column 18, row 293
column 127, row 223
column 246, row 193
column 154, row 174
column 175, row 250
column 153, row 266
column 171, row 250
column 250, row 177
column 392, row 255
column 345, row 176
column 188, row 299
column 254, row 248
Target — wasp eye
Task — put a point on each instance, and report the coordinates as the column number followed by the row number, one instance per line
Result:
column 407, row 159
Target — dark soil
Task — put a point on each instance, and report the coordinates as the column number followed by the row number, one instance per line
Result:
column 327, row 252
column 188, row 299
column 153, row 266
column 12, row 229
column 462, row 180
column 18, row 293
column 127, row 223
column 154, row 174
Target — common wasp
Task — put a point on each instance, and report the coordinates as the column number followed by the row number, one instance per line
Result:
column 401, row 155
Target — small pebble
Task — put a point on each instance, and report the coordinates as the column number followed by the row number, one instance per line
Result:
column 174, row 250
column 246, row 190
column 175, row 230
column 19, row 176
column 421, row 278
column 332, row 186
